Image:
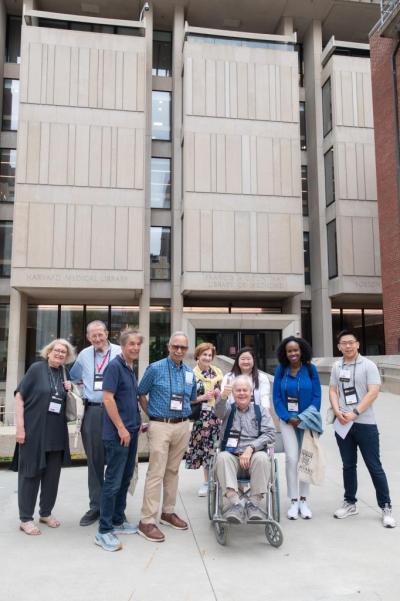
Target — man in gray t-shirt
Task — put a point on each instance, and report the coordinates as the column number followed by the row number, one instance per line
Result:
column 353, row 387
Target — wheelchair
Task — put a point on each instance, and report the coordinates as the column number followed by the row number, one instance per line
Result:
column 273, row 531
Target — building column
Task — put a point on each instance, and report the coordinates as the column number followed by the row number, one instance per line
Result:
column 178, row 35
column 144, row 304
column 321, row 303
column 16, row 349
column 292, row 306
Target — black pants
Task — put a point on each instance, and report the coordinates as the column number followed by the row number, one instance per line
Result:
column 92, row 438
column 48, row 480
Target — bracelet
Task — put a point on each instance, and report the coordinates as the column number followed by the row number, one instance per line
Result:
column 356, row 411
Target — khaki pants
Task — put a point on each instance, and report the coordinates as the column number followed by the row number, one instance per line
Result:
column 228, row 469
column 167, row 443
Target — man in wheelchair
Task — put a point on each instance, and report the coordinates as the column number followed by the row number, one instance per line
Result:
column 248, row 431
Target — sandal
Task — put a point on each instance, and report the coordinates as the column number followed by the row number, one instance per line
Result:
column 50, row 521
column 29, row 528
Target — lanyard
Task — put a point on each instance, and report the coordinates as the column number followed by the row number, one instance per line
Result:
column 99, row 366
column 170, row 381
column 354, row 373
column 54, row 382
column 298, row 383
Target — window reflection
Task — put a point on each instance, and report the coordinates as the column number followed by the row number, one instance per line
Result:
column 72, row 326
column 160, row 328
column 160, row 183
column 303, row 133
column 13, row 40
column 162, row 53
column 6, row 228
column 329, row 177
column 10, row 104
column 8, row 163
column 304, row 189
column 41, row 329
column 160, row 251
column 4, row 321
column 332, row 249
column 161, row 115
column 121, row 318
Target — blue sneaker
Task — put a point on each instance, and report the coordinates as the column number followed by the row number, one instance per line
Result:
column 108, row 541
column 125, row 528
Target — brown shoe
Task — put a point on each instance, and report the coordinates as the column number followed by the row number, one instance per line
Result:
column 171, row 519
column 151, row 532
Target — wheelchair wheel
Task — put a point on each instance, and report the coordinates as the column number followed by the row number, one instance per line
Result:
column 274, row 534
column 276, row 503
column 220, row 533
column 211, row 499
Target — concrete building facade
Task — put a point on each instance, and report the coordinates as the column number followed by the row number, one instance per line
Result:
column 193, row 166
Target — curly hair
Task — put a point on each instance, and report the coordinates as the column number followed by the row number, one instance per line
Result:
column 305, row 351
column 254, row 372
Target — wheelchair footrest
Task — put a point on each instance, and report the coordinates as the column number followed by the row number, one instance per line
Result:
column 220, row 519
column 256, row 522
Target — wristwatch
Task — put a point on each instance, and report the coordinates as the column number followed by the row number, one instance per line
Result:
column 252, row 447
column 356, row 411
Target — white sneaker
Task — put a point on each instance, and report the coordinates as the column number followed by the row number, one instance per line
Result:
column 293, row 511
column 387, row 519
column 203, row 490
column 305, row 511
column 346, row 510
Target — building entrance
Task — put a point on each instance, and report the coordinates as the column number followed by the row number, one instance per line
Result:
column 228, row 342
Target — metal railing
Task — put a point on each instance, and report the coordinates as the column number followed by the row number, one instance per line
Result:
column 387, row 9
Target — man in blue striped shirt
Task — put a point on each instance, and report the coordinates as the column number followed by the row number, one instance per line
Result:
column 170, row 386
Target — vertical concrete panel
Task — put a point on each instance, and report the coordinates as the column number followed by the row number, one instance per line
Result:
column 286, row 167
column 130, row 81
column 211, row 90
column 233, row 90
column 220, row 85
column 286, row 96
column 206, row 228
column 242, row 91
column 60, row 237
column 278, row 92
column 227, row 90
column 351, row 174
column 347, row 98
column 360, row 100
column 103, row 238
column 135, row 239
column 253, row 165
column 121, row 237
column 377, row 254
column 191, row 241
column 106, row 158
column 35, row 73
column 44, row 157
column 40, row 235
column 253, row 241
column 109, row 79
column 83, row 236
column 95, row 156
column 20, row 176
column 141, row 81
column 33, row 153
column 62, row 74
column 251, row 88
column 73, row 92
column 188, row 87
column 360, row 174
column 50, row 74
column 280, row 254
column 262, row 92
column 223, row 241
column 221, row 163
column 296, row 168
column 296, row 237
column 119, row 80
column 295, row 95
column 70, row 241
column 114, row 156
column 265, row 168
column 83, row 77
column 126, row 158
column 344, row 224
column 199, row 86
column 354, row 96
column 213, row 161
column 100, row 79
column 272, row 92
column 82, row 155
column 93, row 77
column 364, row 255
column 20, row 234
column 368, row 113
column 277, row 166
column 58, row 166
column 263, row 243
column 43, row 83
column 341, row 170
column 337, row 103
column 71, row 154
column 233, row 160
column 246, row 164
column 139, row 159
column 242, row 242
column 188, row 162
column 202, row 165
column 370, row 172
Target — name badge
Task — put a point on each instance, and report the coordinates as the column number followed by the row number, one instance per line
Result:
column 344, row 375
column 205, row 407
column 55, row 405
column 233, row 442
column 293, row 404
column 189, row 377
column 350, row 396
column 98, row 382
column 176, row 402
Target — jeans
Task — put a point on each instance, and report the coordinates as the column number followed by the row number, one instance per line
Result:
column 366, row 438
column 120, row 466
column 292, row 441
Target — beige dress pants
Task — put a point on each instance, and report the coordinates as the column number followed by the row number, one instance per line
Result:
column 228, row 469
column 167, row 444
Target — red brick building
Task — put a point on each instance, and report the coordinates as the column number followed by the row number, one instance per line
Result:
column 385, row 70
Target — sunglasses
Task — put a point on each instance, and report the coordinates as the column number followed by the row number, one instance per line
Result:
column 179, row 347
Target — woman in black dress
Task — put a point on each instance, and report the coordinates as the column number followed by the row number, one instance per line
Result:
column 42, row 434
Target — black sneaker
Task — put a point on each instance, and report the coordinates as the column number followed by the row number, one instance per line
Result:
column 90, row 517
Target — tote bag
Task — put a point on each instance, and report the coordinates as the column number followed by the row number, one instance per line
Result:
column 311, row 466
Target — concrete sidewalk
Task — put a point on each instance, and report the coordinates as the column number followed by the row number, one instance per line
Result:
column 320, row 560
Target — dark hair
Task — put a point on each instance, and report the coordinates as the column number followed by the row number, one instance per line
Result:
column 254, row 372
column 305, row 351
column 346, row 333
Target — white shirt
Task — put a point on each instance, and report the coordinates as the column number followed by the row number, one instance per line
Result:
column 261, row 394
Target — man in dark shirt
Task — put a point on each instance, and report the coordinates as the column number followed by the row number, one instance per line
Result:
column 120, row 436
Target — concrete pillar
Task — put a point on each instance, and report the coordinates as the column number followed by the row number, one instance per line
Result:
column 321, row 303
column 3, row 33
column 16, row 349
column 292, row 305
column 144, row 304
column 177, row 192
column 285, row 26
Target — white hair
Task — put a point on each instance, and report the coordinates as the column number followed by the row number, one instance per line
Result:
column 243, row 378
column 175, row 334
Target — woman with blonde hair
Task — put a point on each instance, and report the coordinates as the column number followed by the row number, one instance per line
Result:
column 206, row 425
column 42, row 433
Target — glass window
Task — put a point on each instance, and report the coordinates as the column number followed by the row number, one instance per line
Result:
column 332, row 249
column 10, row 104
column 329, row 177
column 161, row 107
column 75, row 26
column 41, row 329
column 8, row 162
column 160, row 183
column 304, row 189
column 374, row 334
column 160, row 331
column 96, row 312
column 160, row 253
column 352, row 320
column 162, row 53
column 306, row 248
column 303, row 133
column 336, row 328
column 6, row 228
column 306, row 329
column 53, row 23
column 4, row 320
column 121, row 318
column 13, row 40
column 327, row 107
column 72, row 326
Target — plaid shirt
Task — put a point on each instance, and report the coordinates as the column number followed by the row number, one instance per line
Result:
column 163, row 379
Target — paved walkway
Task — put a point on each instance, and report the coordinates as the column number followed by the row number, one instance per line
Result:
column 320, row 560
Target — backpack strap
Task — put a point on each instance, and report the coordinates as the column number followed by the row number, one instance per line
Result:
column 228, row 427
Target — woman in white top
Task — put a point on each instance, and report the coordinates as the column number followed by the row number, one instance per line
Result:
column 246, row 364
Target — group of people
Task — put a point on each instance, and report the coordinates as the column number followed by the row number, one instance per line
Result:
column 234, row 408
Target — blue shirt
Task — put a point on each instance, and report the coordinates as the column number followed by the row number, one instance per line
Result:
column 161, row 380
column 84, row 369
column 301, row 386
column 120, row 379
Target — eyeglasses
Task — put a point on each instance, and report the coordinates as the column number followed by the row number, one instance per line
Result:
column 58, row 351
column 348, row 343
column 179, row 347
